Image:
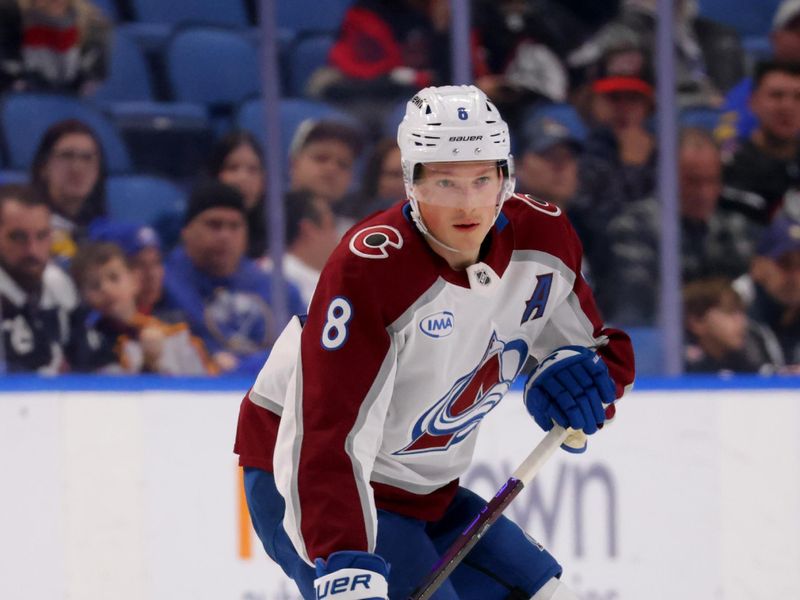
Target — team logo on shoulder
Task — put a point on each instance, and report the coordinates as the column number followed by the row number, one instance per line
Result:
column 375, row 241
column 540, row 205
column 438, row 325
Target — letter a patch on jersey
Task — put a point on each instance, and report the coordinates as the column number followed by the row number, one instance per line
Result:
column 538, row 300
column 459, row 412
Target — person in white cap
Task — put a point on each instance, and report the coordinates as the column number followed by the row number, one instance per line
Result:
column 358, row 427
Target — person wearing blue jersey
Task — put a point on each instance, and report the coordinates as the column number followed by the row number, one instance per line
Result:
column 223, row 295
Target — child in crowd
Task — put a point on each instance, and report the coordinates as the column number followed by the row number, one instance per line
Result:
column 119, row 338
column 142, row 247
column 721, row 337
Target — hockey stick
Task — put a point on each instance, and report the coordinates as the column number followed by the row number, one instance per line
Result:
column 490, row 513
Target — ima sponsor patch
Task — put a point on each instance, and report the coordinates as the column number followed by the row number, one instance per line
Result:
column 438, row 325
column 375, row 241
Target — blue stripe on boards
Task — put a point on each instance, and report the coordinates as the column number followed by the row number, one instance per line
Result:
column 135, row 383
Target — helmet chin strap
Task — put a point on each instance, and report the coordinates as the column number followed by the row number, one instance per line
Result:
column 417, row 217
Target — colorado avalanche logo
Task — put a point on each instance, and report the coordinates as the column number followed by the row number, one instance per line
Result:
column 459, row 412
column 373, row 242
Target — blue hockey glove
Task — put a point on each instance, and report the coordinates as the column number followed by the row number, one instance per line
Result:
column 352, row 576
column 571, row 387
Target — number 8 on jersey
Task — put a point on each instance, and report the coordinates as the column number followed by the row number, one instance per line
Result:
column 334, row 334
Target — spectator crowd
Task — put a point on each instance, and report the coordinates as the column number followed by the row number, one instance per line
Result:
column 190, row 291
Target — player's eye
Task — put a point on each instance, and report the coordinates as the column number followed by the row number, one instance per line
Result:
column 482, row 181
column 445, row 183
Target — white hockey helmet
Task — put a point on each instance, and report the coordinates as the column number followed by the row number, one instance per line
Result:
column 453, row 123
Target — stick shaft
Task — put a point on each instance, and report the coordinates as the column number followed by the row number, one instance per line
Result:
column 490, row 513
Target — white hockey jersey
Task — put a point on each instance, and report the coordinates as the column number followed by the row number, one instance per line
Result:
column 375, row 401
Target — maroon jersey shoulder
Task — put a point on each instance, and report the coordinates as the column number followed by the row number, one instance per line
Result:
column 539, row 225
column 385, row 258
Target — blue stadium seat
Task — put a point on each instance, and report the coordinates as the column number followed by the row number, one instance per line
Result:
column 129, row 76
column 25, row 117
column 293, row 111
column 143, row 199
column 648, row 349
column 7, row 177
column 311, row 15
column 151, row 37
column 163, row 137
column 703, row 117
column 757, row 47
column 393, row 119
column 304, row 57
column 109, row 9
column 212, row 66
column 746, row 16
column 176, row 12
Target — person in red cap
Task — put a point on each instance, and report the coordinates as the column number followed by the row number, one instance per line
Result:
column 618, row 165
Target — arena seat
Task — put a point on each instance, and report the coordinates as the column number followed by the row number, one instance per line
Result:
column 109, row 9
column 229, row 12
column 747, row 17
column 212, row 66
column 24, row 117
column 311, row 16
column 129, row 76
column 648, row 349
column 7, row 177
column 302, row 58
column 703, row 117
column 142, row 199
column 293, row 111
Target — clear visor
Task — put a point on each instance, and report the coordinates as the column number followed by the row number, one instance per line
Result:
column 459, row 186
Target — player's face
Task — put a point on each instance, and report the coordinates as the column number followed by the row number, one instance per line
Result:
column 111, row 289
column 242, row 169
column 25, row 237
column 215, row 240
column 457, row 202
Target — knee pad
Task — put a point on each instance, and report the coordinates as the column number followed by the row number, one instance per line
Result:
column 554, row 590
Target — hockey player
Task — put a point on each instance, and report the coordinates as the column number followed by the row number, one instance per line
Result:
column 360, row 423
